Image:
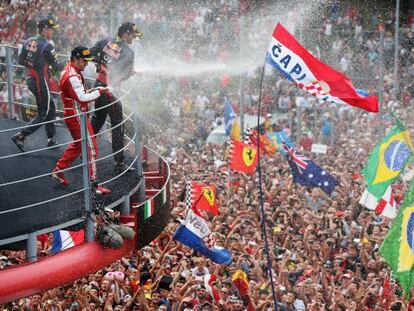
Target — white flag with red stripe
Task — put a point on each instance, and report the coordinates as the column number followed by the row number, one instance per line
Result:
column 209, row 279
column 385, row 206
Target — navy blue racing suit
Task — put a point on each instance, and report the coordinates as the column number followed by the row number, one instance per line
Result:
column 37, row 55
column 115, row 63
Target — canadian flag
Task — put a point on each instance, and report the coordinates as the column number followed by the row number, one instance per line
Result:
column 385, row 206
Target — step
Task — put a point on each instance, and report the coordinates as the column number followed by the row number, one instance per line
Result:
column 151, row 173
column 158, row 177
column 152, row 191
column 126, row 219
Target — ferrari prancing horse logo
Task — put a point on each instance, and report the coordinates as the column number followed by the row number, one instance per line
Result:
column 209, row 195
column 249, row 155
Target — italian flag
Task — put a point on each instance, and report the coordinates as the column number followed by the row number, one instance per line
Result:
column 385, row 206
column 149, row 209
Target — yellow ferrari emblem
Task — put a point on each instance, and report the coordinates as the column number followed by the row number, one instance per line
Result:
column 249, row 155
column 209, row 195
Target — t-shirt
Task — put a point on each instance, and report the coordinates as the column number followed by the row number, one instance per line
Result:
column 196, row 271
column 299, row 305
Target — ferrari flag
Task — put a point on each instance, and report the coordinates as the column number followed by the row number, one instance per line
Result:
column 243, row 157
column 203, row 197
column 310, row 74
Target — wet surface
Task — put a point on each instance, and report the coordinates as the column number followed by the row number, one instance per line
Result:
column 41, row 189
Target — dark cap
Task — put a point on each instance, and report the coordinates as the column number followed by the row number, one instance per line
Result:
column 81, row 52
column 129, row 27
column 48, row 22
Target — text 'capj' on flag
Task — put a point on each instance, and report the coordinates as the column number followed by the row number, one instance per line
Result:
column 318, row 79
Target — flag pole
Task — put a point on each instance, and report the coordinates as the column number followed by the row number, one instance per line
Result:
column 381, row 67
column 259, row 172
column 241, row 83
column 396, row 49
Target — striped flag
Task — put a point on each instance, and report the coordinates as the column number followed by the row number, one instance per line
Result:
column 295, row 63
column 63, row 239
column 193, row 231
column 149, row 209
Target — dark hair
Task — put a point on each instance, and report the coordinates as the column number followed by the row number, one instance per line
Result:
column 47, row 22
column 129, row 28
column 397, row 306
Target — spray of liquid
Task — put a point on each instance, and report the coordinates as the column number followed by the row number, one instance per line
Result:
column 257, row 31
column 160, row 67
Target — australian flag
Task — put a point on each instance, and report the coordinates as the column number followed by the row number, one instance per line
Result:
column 307, row 173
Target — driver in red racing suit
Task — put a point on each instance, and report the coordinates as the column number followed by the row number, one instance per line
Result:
column 75, row 97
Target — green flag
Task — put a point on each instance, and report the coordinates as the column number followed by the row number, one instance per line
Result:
column 398, row 246
column 388, row 160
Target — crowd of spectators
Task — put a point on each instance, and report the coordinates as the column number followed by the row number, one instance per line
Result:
column 324, row 249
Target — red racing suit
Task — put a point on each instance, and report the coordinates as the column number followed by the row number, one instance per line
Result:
column 75, row 100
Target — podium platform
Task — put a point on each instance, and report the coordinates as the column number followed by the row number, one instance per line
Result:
column 19, row 212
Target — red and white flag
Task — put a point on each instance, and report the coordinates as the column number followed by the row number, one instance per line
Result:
column 385, row 206
column 209, row 280
column 310, row 74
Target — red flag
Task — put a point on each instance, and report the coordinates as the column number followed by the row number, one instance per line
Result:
column 299, row 66
column 266, row 145
column 209, row 281
column 134, row 285
column 203, row 197
column 386, row 293
column 240, row 281
column 243, row 157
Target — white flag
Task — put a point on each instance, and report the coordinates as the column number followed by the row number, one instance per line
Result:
column 386, row 206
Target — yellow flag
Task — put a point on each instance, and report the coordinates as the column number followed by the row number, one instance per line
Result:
column 235, row 133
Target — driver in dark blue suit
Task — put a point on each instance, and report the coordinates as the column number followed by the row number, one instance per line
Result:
column 38, row 55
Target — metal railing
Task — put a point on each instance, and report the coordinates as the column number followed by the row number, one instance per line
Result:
column 133, row 143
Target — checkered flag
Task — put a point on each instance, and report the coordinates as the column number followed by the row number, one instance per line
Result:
column 188, row 196
column 247, row 136
column 314, row 88
column 209, row 240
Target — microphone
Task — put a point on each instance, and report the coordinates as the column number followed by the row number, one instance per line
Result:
column 124, row 231
column 108, row 237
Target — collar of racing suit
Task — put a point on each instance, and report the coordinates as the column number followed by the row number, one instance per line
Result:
column 78, row 71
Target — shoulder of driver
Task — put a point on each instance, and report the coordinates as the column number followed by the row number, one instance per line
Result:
column 126, row 52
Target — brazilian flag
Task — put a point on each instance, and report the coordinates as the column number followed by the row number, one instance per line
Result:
column 388, row 160
column 398, row 246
